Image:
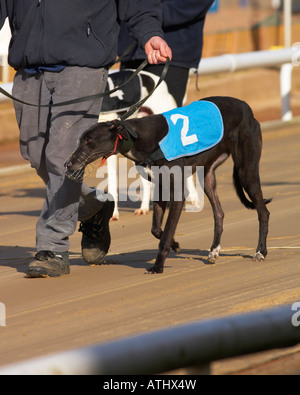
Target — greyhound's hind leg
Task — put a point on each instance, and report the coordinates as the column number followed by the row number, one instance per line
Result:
column 248, row 176
column 210, row 186
column 253, row 188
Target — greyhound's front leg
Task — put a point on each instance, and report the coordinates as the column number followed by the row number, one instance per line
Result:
column 159, row 209
column 167, row 236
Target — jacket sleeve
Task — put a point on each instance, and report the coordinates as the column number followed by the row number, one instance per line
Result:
column 177, row 14
column 143, row 17
column 3, row 12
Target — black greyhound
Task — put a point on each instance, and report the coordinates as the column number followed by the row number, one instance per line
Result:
column 242, row 139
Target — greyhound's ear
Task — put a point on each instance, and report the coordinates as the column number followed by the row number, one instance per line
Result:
column 116, row 126
column 122, row 130
column 112, row 126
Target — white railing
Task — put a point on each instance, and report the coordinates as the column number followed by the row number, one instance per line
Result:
column 285, row 58
column 193, row 345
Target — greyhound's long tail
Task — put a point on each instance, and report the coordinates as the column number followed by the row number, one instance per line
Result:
column 240, row 191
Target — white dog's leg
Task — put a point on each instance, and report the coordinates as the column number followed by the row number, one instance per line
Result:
column 112, row 175
column 144, row 209
column 193, row 194
column 113, row 184
column 160, row 101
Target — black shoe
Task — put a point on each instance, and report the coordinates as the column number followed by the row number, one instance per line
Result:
column 95, row 241
column 49, row 264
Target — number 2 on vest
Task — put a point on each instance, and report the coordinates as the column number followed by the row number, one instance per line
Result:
column 185, row 139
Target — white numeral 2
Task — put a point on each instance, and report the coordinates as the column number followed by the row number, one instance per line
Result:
column 186, row 140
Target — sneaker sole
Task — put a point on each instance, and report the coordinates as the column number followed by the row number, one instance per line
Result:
column 41, row 272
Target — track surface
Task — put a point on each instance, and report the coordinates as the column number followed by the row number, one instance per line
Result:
column 116, row 299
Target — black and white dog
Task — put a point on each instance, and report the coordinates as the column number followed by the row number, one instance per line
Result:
column 241, row 139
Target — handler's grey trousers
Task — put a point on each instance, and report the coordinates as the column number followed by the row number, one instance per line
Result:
column 47, row 138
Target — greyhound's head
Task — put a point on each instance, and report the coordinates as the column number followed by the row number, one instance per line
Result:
column 100, row 141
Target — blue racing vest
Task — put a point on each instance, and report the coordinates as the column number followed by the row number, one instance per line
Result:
column 192, row 129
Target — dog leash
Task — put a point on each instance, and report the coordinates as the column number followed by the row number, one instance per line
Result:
column 123, row 118
column 132, row 134
column 80, row 99
column 138, row 105
column 127, row 144
column 98, row 95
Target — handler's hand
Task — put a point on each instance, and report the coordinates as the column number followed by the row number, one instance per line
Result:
column 157, row 50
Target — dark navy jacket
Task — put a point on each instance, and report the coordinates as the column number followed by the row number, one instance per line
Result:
column 75, row 32
column 183, row 22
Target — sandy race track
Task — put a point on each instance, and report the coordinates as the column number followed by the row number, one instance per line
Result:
column 117, row 299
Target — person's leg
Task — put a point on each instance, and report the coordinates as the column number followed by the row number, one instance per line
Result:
column 47, row 138
column 60, row 212
column 33, row 122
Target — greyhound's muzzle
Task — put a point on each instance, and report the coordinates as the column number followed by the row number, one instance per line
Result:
column 75, row 165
